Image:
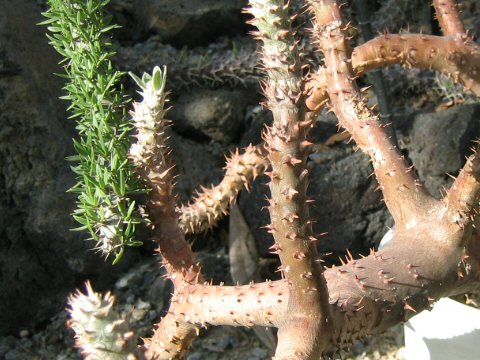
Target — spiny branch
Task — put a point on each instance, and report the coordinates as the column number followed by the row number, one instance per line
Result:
column 464, row 195
column 100, row 332
column 401, row 189
column 290, row 221
column 211, row 204
column 448, row 16
column 150, row 154
column 456, row 57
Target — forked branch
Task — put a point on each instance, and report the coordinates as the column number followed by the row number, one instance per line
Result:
column 401, row 189
column 456, row 57
column 463, row 198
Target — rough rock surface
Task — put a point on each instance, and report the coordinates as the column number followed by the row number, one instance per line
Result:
column 196, row 164
column 211, row 114
column 439, row 142
column 190, row 22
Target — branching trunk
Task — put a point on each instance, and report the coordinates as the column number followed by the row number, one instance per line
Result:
column 435, row 251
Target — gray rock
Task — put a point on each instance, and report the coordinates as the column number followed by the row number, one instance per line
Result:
column 346, row 204
column 194, row 356
column 196, row 164
column 439, row 142
column 189, row 22
column 258, row 354
column 215, row 114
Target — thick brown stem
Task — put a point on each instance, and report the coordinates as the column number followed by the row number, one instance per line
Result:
column 448, row 16
column 172, row 337
column 294, row 240
column 366, row 296
column 171, row 340
column 308, row 310
column 263, row 304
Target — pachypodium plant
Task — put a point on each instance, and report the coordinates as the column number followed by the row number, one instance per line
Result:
column 435, row 250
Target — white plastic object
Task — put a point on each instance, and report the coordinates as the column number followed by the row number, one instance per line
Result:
column 450, row 331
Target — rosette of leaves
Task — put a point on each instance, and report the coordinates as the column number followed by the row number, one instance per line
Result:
column 79, row 31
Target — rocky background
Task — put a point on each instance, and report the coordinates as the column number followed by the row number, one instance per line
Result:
column 215, row 94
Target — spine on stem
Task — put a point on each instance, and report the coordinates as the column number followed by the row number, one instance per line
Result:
column 100, row 332
column 287, row 146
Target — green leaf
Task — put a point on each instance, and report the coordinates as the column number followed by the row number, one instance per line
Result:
column 157, row 78
column 137, row 80
column 118, row 257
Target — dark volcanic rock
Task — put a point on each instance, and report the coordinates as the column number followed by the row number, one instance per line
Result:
column 213, row 114
column 190, row 22
column 439, row 142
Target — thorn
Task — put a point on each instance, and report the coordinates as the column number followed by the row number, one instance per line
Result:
column 290, row 217
column 350, row 255
column 291, row 235
column 303, row 175
column 408, row 307
column 289, row 159
column 289, row 192
column 307, row 275
column 299, row 255
column 363, row 89
column 275, row 248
